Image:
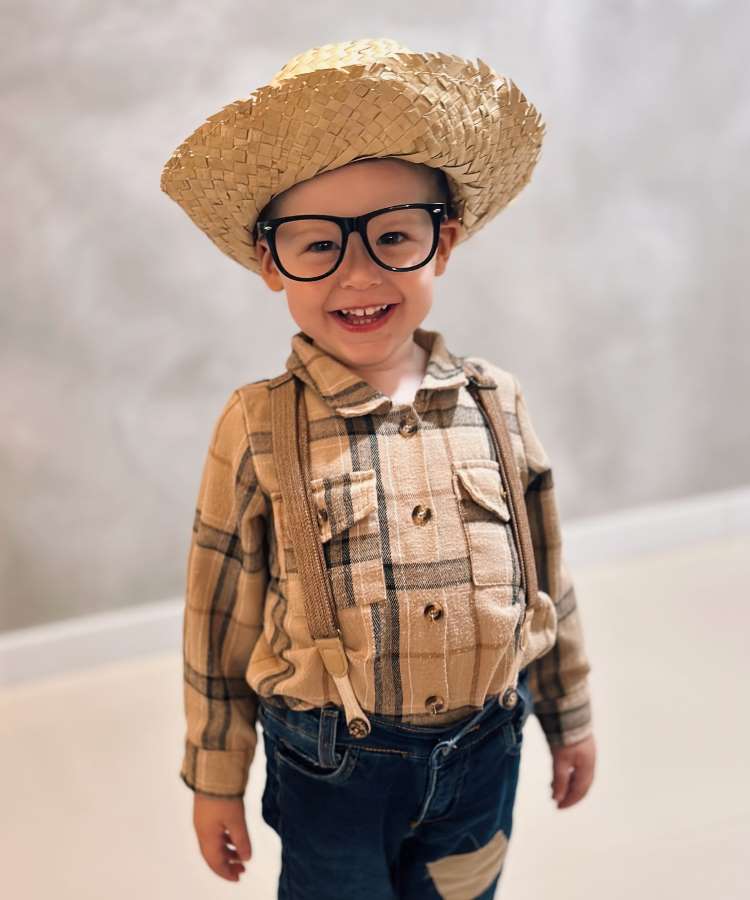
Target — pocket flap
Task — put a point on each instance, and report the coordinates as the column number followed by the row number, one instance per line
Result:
column 343, row 500
column 483, row 482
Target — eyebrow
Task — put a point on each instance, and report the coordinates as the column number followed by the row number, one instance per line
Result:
column 367, row 212
column 303, row 229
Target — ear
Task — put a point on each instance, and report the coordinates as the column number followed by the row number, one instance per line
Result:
column 449, row 231
column 268, row 271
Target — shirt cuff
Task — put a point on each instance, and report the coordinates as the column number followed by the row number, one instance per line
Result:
column 218, row 773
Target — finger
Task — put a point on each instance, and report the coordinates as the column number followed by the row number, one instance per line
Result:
column 560, row 778
column 227, row 865
column 577, row 788
column 228, row 871
column 234, row 865
column 232, row 857
column 241, row 846
column 239, row 838
column 220, row 857
column 223, row 867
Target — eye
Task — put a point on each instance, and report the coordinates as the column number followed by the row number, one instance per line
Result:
column 320, row 244
column 393, row 234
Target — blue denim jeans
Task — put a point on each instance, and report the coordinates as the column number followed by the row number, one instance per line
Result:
column 409, row 811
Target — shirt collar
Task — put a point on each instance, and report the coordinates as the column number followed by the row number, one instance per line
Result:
column 348, row 394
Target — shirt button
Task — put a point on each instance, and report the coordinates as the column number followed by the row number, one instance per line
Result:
column 509, row 698
column 322, row 515
column 421, row 514
column 434, row 611
column 435, row 704
column 407, row 427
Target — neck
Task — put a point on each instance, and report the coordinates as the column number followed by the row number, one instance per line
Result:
column 402, row 381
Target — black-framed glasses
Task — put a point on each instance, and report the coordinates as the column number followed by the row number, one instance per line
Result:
column 399, row 238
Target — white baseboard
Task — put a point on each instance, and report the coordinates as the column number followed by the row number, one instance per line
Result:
column 657, row 527
column 84, row 642
column 87, row 641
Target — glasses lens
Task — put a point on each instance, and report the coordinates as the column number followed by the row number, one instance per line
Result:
column 308, row 248
column 401, row 237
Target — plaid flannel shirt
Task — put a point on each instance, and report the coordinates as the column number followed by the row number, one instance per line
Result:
column 416, row 537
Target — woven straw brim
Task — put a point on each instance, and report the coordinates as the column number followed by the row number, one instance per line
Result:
column 431, row 108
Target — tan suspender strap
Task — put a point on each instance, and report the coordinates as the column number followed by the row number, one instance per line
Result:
column 290, row 446
column 489, row 401
column 290, row 442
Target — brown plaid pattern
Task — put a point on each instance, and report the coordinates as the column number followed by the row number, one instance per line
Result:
column 419, row 544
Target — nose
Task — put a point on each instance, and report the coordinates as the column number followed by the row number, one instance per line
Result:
column 358, row 268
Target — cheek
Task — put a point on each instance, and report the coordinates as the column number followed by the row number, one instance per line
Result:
column 306, row 305
column 420, row 287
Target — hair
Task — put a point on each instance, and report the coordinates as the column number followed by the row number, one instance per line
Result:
column 439, row 184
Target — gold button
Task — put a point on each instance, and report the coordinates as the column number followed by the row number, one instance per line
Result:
column 435, row 704
column 433, row 611
column 421, row 514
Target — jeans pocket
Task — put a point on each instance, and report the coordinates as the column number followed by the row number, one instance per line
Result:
column 290, row 757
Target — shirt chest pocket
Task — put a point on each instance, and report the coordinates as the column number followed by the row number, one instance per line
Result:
column 486, row 518
column 346, row 508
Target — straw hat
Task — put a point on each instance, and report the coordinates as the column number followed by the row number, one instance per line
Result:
column 333, row 104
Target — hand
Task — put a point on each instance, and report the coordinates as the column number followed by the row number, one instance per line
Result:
column 219, row 823
column 572, row 771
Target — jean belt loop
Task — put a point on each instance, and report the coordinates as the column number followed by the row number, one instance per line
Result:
column 329, row 716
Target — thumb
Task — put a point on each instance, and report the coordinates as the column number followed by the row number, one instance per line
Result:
column 561, row 772
column 239, row 836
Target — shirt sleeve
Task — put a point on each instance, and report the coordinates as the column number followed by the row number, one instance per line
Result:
column 558, row 680
column 225, row 591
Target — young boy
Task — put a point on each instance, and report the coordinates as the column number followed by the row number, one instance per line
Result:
column 308, row 185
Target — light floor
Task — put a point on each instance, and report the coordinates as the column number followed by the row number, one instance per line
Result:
column 92, row 806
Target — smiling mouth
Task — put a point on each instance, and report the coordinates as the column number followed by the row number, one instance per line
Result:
column 355, row 323
column 364, row 318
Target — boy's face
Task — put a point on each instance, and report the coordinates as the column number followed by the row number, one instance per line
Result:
column 359, row 281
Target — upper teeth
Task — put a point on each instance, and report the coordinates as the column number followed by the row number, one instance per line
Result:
column 366, row 311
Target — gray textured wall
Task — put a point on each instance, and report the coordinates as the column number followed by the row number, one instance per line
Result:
column 613, row 286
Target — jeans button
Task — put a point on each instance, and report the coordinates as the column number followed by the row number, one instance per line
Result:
column 510, row 698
